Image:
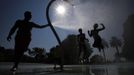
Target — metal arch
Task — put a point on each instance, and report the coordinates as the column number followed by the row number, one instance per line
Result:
column 49, row 22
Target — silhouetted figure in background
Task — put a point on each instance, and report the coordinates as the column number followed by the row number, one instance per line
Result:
column 82, row 45
column 23, row 36
column 95, row 34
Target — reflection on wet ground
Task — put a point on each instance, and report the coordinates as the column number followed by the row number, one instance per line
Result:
column 43, row 69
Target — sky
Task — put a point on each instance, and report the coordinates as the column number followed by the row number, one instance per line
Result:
column 84, row 13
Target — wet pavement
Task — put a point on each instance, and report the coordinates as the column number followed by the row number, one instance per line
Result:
column 44, row 69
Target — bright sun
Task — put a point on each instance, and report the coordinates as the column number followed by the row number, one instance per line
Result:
column 60, row 9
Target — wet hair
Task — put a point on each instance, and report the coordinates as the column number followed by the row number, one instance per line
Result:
column 80, row 29
column 95, row 25
column 27, row 13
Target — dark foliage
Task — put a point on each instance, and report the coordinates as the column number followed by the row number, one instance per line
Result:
column 128, row 35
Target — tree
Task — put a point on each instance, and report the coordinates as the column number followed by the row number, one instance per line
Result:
column 71, row 50
column 2, row 48
column 70, row 47
column 116, row 43
column 55, row 55
column 39, row 54
column 128, row 37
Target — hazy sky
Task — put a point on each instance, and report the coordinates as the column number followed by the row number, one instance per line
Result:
column 113, row 13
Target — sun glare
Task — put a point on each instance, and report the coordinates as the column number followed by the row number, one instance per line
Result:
column 61, row 9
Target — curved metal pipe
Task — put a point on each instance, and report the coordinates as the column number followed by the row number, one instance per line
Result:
column 49, row 22
column 54, row 31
